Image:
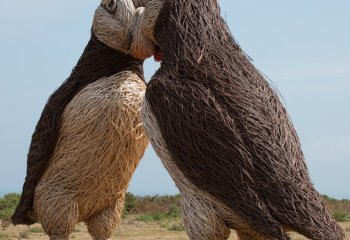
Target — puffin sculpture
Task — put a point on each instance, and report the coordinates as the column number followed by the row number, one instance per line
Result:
column 223, row 134
column 90, row 137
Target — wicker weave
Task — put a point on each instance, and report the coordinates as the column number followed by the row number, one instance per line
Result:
column 76, row 142
column 224, row 135
column 100, row 143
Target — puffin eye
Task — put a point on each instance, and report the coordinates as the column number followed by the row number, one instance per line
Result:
column 110, row 5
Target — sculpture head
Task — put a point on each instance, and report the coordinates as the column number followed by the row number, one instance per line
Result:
column 116, row 25
column 125, row 26
column 184, row 29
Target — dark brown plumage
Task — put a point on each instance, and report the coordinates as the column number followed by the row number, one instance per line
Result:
column 97, row 61
column 226, row 128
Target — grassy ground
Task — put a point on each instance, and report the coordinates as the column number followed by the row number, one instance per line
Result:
column 129, row 229
column 144, row 218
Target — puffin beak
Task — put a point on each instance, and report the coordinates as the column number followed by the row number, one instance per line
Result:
column 158, row 54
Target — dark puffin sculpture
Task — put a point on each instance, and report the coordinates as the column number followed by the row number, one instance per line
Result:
column 224, row 135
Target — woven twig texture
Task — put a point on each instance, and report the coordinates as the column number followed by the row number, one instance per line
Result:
column 97, row 62
column 100, row 143
column 213, row 117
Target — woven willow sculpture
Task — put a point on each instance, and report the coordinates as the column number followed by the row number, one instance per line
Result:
column 90, row 137
column 224, row 135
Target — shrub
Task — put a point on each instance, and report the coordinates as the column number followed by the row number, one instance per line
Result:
column 178, row 227
column 326, row 198
column 8, row 205
column 153, row 204
column 147, row 217
column 5, row 214
column 151, row 217
column 130, row 202
column 174, row 212
column 341, row 216
column 36, row 230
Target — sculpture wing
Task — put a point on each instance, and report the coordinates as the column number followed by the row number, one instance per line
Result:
column 238, row 144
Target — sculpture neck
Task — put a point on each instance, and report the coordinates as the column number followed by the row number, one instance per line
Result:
column 98, row 61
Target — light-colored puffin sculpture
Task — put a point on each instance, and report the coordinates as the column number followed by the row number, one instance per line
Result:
column 90, row 137
column 224, row 135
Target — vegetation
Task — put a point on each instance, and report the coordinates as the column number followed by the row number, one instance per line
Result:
column 36, row 230
column 4, row 235
column 341, row 216
column 158, row 208
column 151, row 217
column 130, row 203
column 174, row 212
column 24, row 234
column 178, row 227
column 8, row 205
column 339, row 208
column 151, row 204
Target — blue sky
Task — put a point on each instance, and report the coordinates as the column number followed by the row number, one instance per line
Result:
column 302, row 46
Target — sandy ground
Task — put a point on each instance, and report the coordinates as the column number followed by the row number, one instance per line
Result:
column 129, row 229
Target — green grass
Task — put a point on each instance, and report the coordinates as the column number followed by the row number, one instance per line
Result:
column 151, row 217
column 36, row 230
column 341, row 216
column 4, row 236
column 8, row 205
column 129, row 204
column 177, row 227
column 158, row 208
column 174, row 212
